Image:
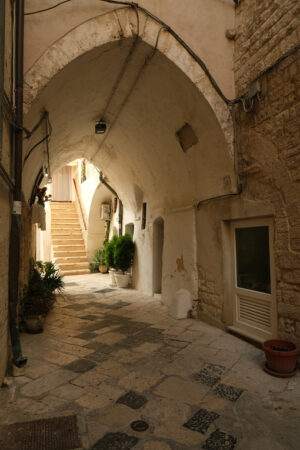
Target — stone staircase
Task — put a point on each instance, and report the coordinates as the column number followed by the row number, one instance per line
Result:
column 67, row 240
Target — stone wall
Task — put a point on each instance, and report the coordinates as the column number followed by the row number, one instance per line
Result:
column 269, row 157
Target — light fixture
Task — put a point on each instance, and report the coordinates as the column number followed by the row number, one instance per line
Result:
column 49, row 180
column 100, row 127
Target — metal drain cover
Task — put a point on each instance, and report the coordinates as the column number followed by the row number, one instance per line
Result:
column 58, row 433
column 139, row 425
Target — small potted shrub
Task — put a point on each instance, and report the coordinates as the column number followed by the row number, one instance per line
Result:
column 123, row 258
column 39, row 295
column 281, row 357
column 98, row 263
column 109, row 258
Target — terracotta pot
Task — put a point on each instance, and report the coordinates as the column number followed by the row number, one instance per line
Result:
column 34, row 324
column 103, row 268
column 281, row 356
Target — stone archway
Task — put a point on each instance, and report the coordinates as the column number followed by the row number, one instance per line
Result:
column 113, row 27
column 141, row 155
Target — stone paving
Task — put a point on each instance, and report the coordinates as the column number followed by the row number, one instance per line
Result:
column 114, row 356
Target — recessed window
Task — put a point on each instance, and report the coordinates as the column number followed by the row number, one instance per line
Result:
column 144, row 216
column 129, row 228
column 187, row 137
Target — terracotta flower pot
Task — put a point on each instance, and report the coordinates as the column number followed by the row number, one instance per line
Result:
column 34, row 324
column 103, row 268
column 281, row 357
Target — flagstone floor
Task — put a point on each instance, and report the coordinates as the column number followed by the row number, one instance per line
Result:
column 114, row 356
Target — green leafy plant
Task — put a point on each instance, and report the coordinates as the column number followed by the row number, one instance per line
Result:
column 39, row 295
column 99, row 259
column 123, row 252
column 109, row 252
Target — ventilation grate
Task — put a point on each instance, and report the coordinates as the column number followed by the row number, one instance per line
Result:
column 254, row 312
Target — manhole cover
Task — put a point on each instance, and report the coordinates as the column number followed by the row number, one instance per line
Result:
column 139, row 425
column 58, row 433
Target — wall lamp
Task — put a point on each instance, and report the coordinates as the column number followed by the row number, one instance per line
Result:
column 100, row 127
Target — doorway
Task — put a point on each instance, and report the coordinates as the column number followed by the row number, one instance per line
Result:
column 62, row 185
column 255, row 312
column 158, row 245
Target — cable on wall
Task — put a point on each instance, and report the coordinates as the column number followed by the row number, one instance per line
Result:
column 124, row 66
column 46, row 9
column 47, row 137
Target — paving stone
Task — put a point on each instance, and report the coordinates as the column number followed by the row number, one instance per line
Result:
column 229, row 392
column 118, row 416
column 58, row 358
column 92, row 377
column 109, row 338
column 92, row 400
column 90, row 317
column 97, row 357
column 201, row 420
column 87, row 336
column 116, row 441
column 220, row 441
column 105, row 290
column 182, row 390
column 46, row 383
column 156, row 445
column 80, row 365
column 68, row 391
column 101, row 348
column 210, row 374
column 133, row 400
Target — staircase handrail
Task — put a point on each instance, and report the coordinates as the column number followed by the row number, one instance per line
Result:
column 80, row 205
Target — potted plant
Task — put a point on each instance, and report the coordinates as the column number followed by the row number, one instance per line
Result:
column 39, row 295
column 123, row 257
column 109, row 258
column 281, row 357
column 98, row 263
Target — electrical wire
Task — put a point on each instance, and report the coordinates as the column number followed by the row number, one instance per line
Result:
column 48, row 135
column 139, row 73
column 124, row 66
column 46, row 9
column 202, row 64
column 183, row 43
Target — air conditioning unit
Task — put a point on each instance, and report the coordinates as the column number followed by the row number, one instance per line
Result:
column 105, row 211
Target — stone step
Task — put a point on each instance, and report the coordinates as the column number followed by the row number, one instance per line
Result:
column 74, row 272
column 67, row 208
column 74, row 266
column 64, row 213
column 70, row 259
column 65, row 226
column 64, row 248
column 70, row 241
column 69, row 253
column 71, row 235
column 59, row 220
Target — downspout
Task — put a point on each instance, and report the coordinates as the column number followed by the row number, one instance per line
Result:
column 2, row 37
column 102, row 179
column 15, row 235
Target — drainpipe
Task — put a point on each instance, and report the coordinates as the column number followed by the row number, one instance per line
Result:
column 15, row 235
column 102, row 179
column 2, row 37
